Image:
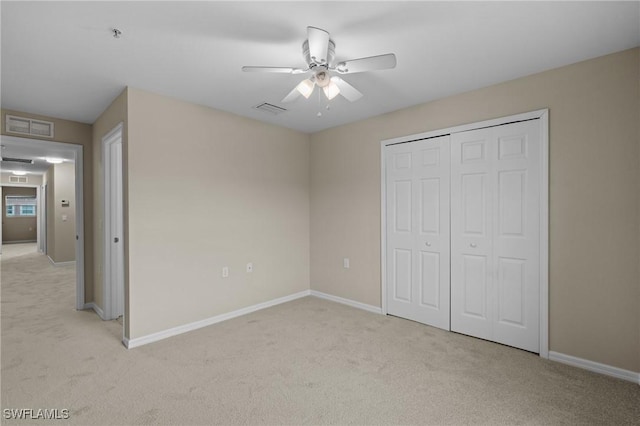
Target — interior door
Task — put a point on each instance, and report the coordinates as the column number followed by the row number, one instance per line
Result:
column 495, row 234
column 117, row 245
column 114, row 259
column 417, row 209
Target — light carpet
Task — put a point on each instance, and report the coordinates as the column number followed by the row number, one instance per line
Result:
column 309, row 361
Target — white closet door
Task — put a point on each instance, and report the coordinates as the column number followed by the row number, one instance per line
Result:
column 418, row 240
column 495, row 222
column 471, row 242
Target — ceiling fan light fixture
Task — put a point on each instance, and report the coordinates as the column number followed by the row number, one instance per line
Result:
column 305, row 88
column 331, row 90
column 322, row 78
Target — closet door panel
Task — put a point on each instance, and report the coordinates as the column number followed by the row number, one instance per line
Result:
column 495, row 174
column 516, row 236
column 471, row 243
column 417, row 189
column 400, row 225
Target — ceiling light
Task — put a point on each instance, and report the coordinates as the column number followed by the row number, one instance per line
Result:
column 305, row 88
column 322, row 78
column 331, row 90
column 19, row 173
column 54, row 160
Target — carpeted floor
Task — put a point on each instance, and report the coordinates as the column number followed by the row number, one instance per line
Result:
column 305, row 362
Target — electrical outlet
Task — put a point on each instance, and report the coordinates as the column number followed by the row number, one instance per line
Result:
column 225, row 272
column 249, row 267
column 345, row 263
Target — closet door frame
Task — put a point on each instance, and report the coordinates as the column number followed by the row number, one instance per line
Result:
column 543, row 116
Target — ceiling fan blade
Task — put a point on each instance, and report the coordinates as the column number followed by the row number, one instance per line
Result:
column 348, row 91
column 284, row 70
column 292, row 96
column 371, row 63
column 318, row 44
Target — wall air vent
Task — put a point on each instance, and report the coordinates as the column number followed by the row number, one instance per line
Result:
column 29, row 126
column 17, row 160
column 271, row 109
column 17, row 179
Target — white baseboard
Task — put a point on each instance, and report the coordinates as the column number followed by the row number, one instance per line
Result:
column 54, row 263
column 154, row 337
column 595, row 367
column 95, row 308
column 348, row 302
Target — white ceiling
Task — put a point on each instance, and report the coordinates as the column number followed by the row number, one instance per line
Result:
column 38, row 151
column 60, row 59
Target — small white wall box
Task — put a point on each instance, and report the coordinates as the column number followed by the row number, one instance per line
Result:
column 65, row 203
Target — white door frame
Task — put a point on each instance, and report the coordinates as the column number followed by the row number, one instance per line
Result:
column 79, row 185
column 109, row 291
column 38, row 210
column 42, row 218
column 543, row 115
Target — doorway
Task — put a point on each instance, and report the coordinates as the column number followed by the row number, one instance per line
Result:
column 38, row 151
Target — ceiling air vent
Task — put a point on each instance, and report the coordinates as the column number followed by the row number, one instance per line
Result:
column 29, row 126
column 17, row 160
column 271, row 109
column 17, row 179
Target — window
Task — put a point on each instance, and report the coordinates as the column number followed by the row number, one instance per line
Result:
column 20, row 205
column 28, row 210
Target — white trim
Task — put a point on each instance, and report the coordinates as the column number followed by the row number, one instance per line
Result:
column 95, row 308
column 543, row 115
column 79, row 185
column 466, row 127
column 68, row 262
column 383, row 231
column 596, row 367
column 154, row 337
column 348, row 302
column 544, row 235
column 38, row 213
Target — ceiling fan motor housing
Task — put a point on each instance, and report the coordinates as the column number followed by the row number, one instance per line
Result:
column 331, row 51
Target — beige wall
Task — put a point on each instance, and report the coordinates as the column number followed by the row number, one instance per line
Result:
column 64, row 234
column 79, row 134
column 61, row 233
column 209, row 189
column 16, row 229
column 594, row 198
column 116, row 113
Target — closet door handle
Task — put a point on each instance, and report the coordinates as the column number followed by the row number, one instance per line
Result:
column 473, row 245
column 428, row 244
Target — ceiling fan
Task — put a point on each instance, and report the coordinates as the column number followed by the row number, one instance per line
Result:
column 319, row 53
